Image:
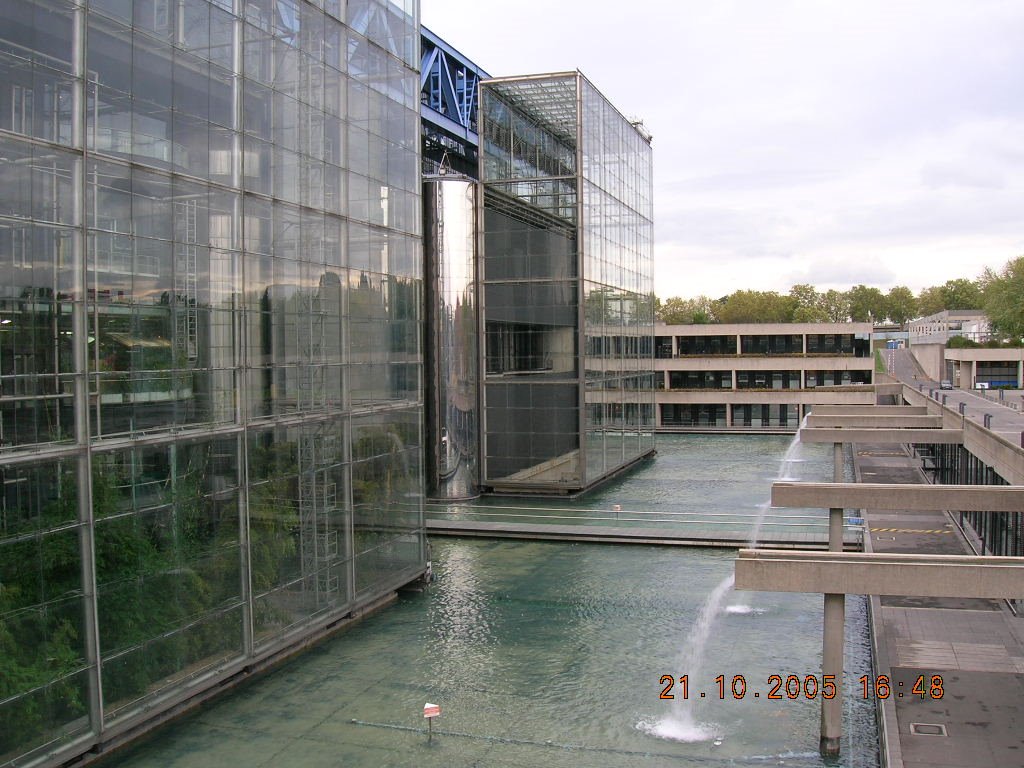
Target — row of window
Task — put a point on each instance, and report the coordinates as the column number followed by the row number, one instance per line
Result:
column 763, row 379
column 777, row 344
column 721, row 415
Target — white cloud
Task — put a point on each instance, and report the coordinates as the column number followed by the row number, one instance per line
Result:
column 880, row 141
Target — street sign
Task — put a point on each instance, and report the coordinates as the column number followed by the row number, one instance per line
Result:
column 431, row 710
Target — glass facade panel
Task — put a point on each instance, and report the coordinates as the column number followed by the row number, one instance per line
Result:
column 192, row 314
column 567, row 284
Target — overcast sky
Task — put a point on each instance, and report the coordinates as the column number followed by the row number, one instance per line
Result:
column 834, row 143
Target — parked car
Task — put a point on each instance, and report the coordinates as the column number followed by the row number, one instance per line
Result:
column 945, row 384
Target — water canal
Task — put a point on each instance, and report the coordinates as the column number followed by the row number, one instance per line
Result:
column 550, row 654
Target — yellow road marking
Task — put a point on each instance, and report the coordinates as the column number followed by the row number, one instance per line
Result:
column 910, row 530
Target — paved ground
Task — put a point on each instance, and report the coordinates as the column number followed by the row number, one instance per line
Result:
column 976, row 647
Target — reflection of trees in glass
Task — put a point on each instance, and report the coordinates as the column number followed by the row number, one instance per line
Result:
column 384, row 480
column 604, row 306
column 167, row 576
column 40, row 619
column 273, row 522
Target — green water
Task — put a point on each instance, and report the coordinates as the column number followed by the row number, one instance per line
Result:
column 550, row 654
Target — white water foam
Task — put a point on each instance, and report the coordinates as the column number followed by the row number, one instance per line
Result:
column 681, row 724
column 679, row 727
column 740, row 609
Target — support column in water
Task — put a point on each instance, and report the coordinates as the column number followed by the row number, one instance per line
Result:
column 832, row 635
column 451, row 338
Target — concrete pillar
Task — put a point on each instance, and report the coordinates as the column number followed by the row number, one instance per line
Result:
column 832, row 634
column 832, row 664
column 1020, row 374
column 835, row 529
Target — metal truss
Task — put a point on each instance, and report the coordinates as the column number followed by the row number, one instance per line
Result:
column 449, row 87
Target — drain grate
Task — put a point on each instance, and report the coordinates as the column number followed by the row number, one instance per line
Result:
column 928, row 729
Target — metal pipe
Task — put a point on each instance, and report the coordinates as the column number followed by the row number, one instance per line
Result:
column 80, row 349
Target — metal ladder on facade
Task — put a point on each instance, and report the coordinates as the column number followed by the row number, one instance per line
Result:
column 318, row 503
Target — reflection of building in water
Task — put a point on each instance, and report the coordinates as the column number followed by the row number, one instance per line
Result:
column 210, row 407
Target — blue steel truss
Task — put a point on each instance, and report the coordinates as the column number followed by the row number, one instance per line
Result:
column 448, row 88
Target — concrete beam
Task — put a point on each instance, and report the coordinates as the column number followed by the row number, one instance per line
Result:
column 766, row 570
column 863, row 421
column 891, row 436
column 888, row 389
column 892, row 496
column 870, row 410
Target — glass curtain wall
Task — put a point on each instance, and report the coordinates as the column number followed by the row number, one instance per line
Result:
column 531, row 284
column 618, row 285
column 210, row 360
column 567, row 302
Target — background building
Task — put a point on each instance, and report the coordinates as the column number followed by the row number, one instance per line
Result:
column 942, row 326
column 567, row 307
column 210, row 362
column 988, row 368
column 760, row 375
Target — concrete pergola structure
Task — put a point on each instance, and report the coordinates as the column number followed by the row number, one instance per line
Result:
column 837, row 574
column 900, row 496
column 892, row 435
column 870, row 410
column 871, row 574
column 886, row 421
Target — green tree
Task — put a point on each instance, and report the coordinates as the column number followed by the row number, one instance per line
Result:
column 961, row 294
column 756, row 307
column 866, row 304
column 809, row 308
column 835, row 306
column 678, row 311
column 900, row 304
column 930, row 301
column 1004, row 299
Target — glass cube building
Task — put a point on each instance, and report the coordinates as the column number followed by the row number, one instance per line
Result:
column 567, row 308
column 210, row 363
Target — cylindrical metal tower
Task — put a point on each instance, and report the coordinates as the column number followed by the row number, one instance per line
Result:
column 450, row 365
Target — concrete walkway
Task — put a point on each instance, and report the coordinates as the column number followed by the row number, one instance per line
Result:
column 1005, row 419
column 975, row 646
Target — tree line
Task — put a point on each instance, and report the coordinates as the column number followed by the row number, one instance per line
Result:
column 1000, row 294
